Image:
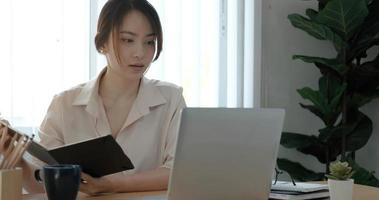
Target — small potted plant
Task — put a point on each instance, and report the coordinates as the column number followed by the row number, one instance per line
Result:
column 339, row 181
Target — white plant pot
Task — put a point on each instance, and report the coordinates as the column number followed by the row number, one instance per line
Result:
column 341, row 190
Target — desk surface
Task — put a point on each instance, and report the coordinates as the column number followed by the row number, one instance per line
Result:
column 118, row 196
column 360, row 193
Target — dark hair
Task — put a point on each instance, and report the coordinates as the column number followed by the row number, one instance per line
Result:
column 111, row 17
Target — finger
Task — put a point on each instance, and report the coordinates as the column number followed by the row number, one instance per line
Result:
column 3, row 139
column 87, row 188
column 10, row 146
column 12, row 158
column 85, row 178
column 89, row 184
column 3, row 134
column 8, row 142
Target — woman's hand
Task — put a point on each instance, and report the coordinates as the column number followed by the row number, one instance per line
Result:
column 5, row 138
column 94, row 186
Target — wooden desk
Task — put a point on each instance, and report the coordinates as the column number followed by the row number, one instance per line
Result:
column 118, row 196
column 360, row 193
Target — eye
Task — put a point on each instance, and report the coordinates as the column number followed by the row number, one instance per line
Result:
column 151, row 43
column 127, row 40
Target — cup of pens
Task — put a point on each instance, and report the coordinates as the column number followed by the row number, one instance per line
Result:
column 12, row 147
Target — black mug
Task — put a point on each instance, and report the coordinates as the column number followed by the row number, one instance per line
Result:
column 61, row 181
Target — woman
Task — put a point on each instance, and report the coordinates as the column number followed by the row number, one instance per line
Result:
column 141, row 114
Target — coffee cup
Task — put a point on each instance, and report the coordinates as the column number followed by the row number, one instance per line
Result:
column 61, row 181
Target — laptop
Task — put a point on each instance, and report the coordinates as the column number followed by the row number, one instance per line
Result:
column 225, row 153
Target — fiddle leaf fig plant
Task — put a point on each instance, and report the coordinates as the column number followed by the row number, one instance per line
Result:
column 349, row 79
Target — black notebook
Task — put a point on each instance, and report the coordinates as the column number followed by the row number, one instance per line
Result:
column 97, row 157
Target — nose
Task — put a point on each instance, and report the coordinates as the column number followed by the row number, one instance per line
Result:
column 139, row 51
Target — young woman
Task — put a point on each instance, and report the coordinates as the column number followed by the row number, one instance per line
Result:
column 141, row 114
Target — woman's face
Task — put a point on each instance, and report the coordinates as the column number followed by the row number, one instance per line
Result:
column 136, row 46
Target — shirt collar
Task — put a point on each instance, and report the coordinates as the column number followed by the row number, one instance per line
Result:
column 149, row 95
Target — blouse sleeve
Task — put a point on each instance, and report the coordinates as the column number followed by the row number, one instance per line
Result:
column 50, row 132
column 173, row 133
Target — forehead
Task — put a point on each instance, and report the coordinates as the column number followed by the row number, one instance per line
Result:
column 135, row 21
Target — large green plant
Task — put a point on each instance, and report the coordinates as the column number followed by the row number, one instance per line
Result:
column 349, row 80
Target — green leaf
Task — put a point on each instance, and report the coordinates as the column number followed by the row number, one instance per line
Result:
column 361, row 175
column 295, row 140
column 358, row 130
column 316, row 98
column 305, row 144
column 315, row 111
column 343, row 16
column 364, row 79
column 317, row 30
column 369, row 30
column 338, row 96
column 333, row 137
column 363, row 46
column 364, row 177
column 371, row 24
column 361, row 133
column 298, row 172
column 331, row 177
column 332, row 88
column 329, row 119
column 361, row 99
column 322, row 3
column 312, row 14
column 318, row 151
column 328, row 71
column 334, row 64
column 329, row 133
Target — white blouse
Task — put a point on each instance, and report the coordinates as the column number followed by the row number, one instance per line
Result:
column 148, row 135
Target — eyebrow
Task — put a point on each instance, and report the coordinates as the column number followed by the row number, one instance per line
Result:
column 131, row 33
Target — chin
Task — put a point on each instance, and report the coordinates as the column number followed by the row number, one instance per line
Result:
column 134, row 76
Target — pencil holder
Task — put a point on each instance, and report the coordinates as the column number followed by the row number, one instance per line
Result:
column 11, row 184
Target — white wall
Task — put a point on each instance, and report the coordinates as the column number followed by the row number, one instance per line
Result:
column 281, row 76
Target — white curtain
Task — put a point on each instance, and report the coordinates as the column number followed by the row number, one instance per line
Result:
column 44, row 49
column 47, row 46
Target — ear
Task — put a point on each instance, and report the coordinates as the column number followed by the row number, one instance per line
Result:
column 103, row 49
column 108, row 46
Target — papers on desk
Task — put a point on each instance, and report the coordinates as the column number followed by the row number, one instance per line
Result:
column 299, row 187
column 286, row 190
column 300, row 196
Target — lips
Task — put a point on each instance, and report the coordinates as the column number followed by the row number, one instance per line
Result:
column 136, row 65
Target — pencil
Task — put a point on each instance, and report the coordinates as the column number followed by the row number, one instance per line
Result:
column 21, row 153
column 8, row 152
column 20, row 143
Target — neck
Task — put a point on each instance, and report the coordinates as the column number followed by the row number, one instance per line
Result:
column 114, row 86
